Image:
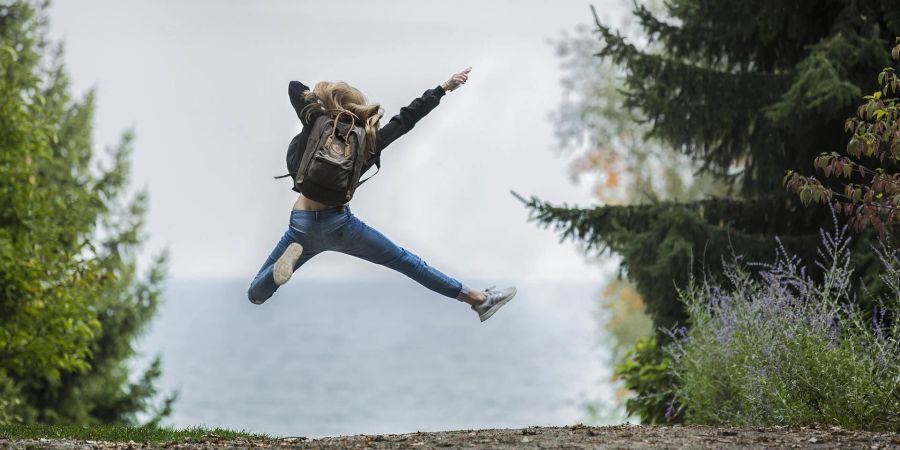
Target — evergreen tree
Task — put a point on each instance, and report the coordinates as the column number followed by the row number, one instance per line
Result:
column 71, row 302
column 610, row 146
column 746, row 90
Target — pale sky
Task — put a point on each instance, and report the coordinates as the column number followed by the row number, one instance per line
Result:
column 204, row 85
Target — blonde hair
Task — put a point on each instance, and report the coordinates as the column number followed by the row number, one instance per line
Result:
column 339, row 96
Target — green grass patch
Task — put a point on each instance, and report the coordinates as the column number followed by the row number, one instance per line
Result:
column 120, row 433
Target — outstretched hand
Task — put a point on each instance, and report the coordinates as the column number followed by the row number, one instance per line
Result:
column 456, row 80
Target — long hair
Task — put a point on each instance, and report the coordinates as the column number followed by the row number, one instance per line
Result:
column 338, row 95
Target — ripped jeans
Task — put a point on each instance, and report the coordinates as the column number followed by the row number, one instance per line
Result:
column 337, row 229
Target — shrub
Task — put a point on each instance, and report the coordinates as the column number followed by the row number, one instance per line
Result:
column 870, row 196
column 782, row 348
column 72, row 298
column 11, row 408
column 646, row 371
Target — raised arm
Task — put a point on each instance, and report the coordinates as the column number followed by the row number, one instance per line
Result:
column 407, row 118
column 295, row 93
column 415, row 111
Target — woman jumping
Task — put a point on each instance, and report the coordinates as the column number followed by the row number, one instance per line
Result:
column 324, row 224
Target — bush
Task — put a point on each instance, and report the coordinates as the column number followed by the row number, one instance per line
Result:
column 782, row 348
column 11, row 407
column 72, row 300
column 646, row 371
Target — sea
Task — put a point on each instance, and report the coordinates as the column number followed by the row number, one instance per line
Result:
column 328, row 358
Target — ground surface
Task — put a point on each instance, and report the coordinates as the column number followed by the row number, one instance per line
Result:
column 571, row 437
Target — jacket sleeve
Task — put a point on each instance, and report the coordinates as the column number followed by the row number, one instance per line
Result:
column 407, row 118
column 295, row 93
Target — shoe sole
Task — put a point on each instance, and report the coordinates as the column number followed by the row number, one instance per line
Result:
column 284, row 266
column 487, row 314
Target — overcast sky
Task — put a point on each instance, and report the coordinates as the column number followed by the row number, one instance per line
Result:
column 204, row 86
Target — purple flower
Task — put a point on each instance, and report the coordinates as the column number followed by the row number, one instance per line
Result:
column 670, row 411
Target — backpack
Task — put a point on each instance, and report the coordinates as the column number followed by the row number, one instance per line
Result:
column 332, row 161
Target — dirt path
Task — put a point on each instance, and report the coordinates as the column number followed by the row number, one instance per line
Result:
column 571, row 437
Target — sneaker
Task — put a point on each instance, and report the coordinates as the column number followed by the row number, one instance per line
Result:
column 284, row 266
column 494, row 300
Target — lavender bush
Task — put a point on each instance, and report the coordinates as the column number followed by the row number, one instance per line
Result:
column 779, row 347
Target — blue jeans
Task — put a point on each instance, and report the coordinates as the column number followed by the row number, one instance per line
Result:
column 337, row 229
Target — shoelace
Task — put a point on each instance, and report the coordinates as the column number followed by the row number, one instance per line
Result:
column 490, row 293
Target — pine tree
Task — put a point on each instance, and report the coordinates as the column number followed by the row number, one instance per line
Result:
column 747, row 90
column 71, row 302
column 610, row 145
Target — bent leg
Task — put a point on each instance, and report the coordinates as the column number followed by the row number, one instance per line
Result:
column 369, row 244
column 263, row 285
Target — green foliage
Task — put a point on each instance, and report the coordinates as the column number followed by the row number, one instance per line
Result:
column 783, row 348
column 865, row 185
column 646, row 370
column 118, row 433
column 610, row 141
column 726, row 104
column 47, row 285
column 662, row 245
column 742, row 98
column 624, row 317
column 732, row 105
column 744, row 90
column 10, row 401
column 71, row 302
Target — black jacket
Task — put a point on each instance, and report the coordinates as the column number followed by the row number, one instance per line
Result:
column 396, row 127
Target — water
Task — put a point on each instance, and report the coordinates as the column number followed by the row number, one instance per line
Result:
column 329, row 358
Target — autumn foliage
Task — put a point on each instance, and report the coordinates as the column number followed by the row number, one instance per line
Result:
column 864, row 184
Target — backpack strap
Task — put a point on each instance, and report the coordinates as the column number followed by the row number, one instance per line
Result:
column 336, row 119
column 377, row 169
column 283, row 176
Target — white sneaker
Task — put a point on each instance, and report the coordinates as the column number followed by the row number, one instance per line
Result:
column 494, row 299
column 284, row 266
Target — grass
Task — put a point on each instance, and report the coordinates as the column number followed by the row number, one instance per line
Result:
column 121, row 433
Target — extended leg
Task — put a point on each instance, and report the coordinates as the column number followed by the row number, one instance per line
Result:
column 369, row 244
column 263, row 285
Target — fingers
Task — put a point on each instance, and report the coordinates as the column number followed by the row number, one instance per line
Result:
column 458, row 79
column 462, row 76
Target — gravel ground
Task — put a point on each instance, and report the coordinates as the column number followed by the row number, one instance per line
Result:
column 570, row 437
